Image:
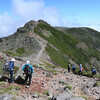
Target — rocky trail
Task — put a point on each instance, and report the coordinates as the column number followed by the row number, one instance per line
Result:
column 47, row 85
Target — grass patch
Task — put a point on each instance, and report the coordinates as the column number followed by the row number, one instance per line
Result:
column 18, row 88
column 97, row 83
column 68, row 86
column 97, row 76
column 20, row 50
column 15, row 93
column 2, row 83
column 57, row 57
column 9, row 90
column 49, row 68
column 62, row 82
column 9, row 53
column 83, row 96
column 87, row 73
column 50, row 65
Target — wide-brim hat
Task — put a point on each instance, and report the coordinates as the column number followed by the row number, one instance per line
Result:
column 13, row 59
column 27, row 62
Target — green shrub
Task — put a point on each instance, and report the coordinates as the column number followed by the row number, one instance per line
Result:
column 20, row 50
column 16, row 69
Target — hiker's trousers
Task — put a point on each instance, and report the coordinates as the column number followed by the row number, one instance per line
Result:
column 28, row 77
column 11, row 76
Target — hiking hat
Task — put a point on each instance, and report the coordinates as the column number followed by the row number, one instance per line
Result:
column 27, row 62
column 80, row 64
column 13, row 59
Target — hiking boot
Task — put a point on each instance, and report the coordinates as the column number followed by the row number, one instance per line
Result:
column 27, row 86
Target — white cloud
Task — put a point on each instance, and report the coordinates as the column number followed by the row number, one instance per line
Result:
column 36, row 9
column 26, row 10
column 7, row 25
column 95, row 26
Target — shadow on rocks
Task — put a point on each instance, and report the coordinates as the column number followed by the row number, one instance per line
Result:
column 19, row 80
column 4, row 78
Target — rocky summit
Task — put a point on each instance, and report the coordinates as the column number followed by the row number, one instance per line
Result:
column 50, row 49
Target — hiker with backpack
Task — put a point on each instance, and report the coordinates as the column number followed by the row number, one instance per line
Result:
column 28, row 70
column 11, row 69
column 69, row 66
column 73, row 69
column 93, row 71
column 81, row 69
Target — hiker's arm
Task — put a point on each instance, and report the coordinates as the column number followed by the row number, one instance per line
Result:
column 23, row 67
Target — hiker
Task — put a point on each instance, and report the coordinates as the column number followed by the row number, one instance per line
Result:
column 93, row 71
column 69, row 66
column 73, row 68
column 81, row 69
column 28, row 70
column 11, row 63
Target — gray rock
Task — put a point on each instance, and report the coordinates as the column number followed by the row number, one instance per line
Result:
column 63, row 96
column 60, row 89
column 63, row 82
column 66, row 95
column 35, row 95
column 5, row 97
column 88, row 85
column 98, row 90
column 68, row 91
column 49, row 93
column 77, row 98
column 87, row 91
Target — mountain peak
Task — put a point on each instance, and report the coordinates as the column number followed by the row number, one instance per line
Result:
column 27, row 27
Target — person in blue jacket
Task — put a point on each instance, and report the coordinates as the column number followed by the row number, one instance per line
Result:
column 93, row 71
column 80, row 70
column 73, row 69
column 28, row 70
column 11, row 69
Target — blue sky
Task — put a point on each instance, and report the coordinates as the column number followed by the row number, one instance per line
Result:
column 67, row 13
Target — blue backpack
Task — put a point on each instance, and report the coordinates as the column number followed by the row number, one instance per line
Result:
column 94, row 71
column 8, row 66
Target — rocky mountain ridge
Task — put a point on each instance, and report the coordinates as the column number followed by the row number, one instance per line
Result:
column 38, row 41
column 49, row 51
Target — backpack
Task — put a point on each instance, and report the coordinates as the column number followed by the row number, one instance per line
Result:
column 82, row 69
column 94, row 71
column 73, row 67
column 8, row 67
column 27, row 70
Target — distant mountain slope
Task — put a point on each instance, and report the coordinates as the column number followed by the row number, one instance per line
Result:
column 40, row 40
column 89, row 36
column 67, row 47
